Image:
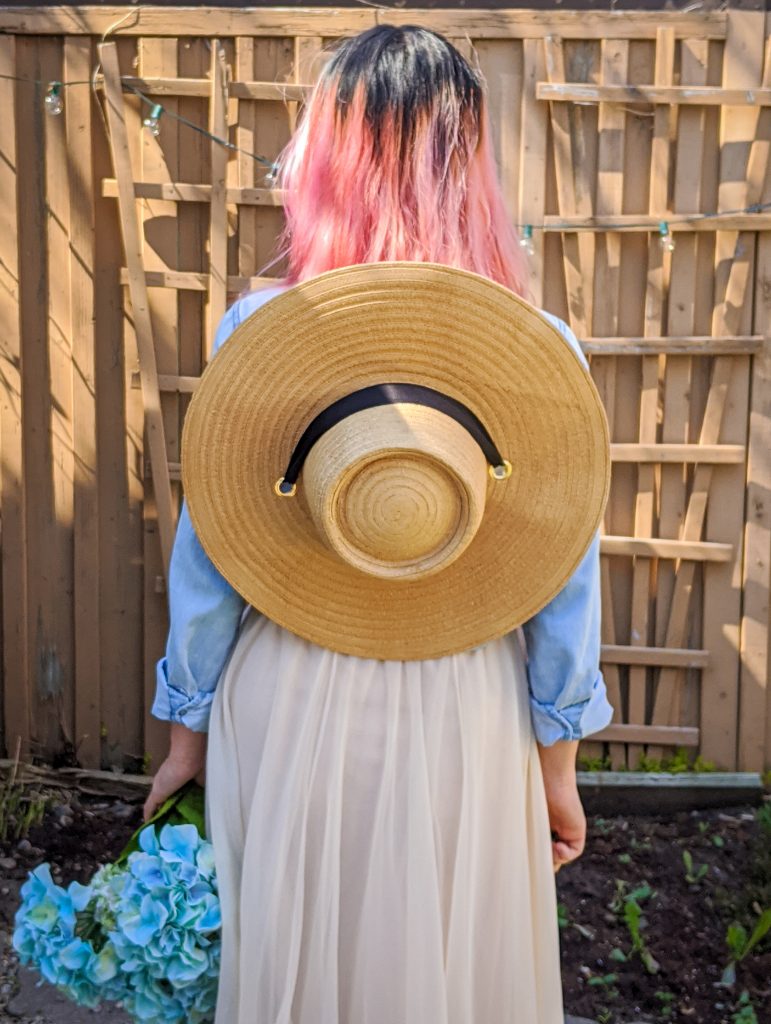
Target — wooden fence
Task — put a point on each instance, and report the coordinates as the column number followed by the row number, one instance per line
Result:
column 616, row 135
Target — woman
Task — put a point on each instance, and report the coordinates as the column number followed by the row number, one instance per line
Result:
column 382, row 828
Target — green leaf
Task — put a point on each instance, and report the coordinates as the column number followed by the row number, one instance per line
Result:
column 761, row 927
column 184, row 807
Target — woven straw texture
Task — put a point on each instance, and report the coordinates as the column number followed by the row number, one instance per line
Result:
column 447, row 329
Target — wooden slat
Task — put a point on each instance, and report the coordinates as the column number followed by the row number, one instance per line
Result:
column 677, row 222
column 184, row 192
column 218, row 217
column 16, row 680
column 611, row 124
column 87, row 632
column 619, row 654
column 574, row 194
column 242, row 88
column 704, row 345
column 666, row 735
column 678, row 453
column 682, row 95
column 532, row 178
column 678, row 379
column 139, row 299
column 246, row 140
column 233, row 21
column 658, row 547
column 658, row 270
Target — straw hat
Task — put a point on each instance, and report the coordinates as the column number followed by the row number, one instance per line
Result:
column 396, row 460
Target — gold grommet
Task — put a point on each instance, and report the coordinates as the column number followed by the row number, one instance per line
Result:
column 502, row 472
column 284, row 494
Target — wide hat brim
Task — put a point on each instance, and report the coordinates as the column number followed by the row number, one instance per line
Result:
column 447, row 329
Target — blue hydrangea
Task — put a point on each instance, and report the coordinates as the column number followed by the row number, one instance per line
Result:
column 145, row 935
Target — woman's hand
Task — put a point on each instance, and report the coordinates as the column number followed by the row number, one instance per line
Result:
column 566, row 813
column 186, row 760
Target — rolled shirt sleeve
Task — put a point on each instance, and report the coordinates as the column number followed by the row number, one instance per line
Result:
column 205, row 614
column 568, row 694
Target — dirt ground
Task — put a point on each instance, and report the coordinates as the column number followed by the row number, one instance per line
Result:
column 630, row 879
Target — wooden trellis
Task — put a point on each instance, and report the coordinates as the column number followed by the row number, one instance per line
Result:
column 604, row 128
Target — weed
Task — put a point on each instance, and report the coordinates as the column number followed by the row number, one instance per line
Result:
column 606, row 981
column 562, row 915
column 744, row 1012
column 740, row 944
column 627, row 905
column 690, row 876
column 595, row 764
column 677, row 763
column 20, row 808
column 666, row 999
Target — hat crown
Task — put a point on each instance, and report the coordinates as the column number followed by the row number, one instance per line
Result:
column 398, row 491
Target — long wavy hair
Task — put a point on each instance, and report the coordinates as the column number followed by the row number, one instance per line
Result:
column 392, row 160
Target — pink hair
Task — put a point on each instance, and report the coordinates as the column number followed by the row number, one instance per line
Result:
column 362, row 193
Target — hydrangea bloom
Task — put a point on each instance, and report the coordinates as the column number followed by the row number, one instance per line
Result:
column 144, row 934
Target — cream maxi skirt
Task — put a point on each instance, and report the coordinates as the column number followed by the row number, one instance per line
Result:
column 381, row 838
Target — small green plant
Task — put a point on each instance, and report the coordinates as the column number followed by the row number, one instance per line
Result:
column 625, row 858
column 667, row 1000
column 718, row 841
column 606, row 981
column 740, row 944
column 20, row 808
column 595, row 764
column 763, row 817
column 147, row 761
column 676, row 763
column 745, row 1011
column 627, row 905
column 562, row 915
column 691, row 876
column 605, row 1015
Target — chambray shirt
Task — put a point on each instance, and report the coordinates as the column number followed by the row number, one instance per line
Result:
column 567, row 692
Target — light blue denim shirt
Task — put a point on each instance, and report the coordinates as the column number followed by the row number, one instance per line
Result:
column 567, row 692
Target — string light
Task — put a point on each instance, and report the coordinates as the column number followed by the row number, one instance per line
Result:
column 666, row 241
column 153, row 120
column 53, row 102
column 526, row 241
column 54, row 105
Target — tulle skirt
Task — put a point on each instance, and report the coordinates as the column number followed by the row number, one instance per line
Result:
column 381, row 838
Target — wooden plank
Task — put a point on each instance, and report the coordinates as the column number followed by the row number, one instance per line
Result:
column 659, row 547
column 218, row 223
column 159, row 161
column 723, row 454
column 477, row 23
column 667, row 735
column 532, row 178
column 698, row 345
column 611, row 125
column 246, row 140
column 677, row 375
column 243, row 88
column 754, row 746
column 677, row 222
column 658, row 269
column 139, row 299
column 501, row 64
column 16, row 696
column 184, row 192
column 682, row 95
column 47, row 389
column 574, row 194
column 619, row 654
column 87, row 633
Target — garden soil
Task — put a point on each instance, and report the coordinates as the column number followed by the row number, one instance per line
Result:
column 671, row 974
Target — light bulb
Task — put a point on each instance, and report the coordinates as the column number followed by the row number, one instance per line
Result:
column 666, row 241
column 54, row 103
column 526, row 241
column 271, row 177
column 153, row 120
